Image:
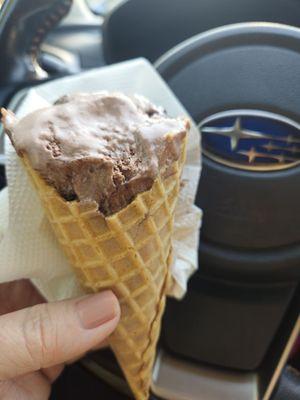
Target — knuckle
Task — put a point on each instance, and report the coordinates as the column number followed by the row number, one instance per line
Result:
column 40, row 336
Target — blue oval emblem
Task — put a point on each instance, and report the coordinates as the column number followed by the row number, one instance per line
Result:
column 251, row 140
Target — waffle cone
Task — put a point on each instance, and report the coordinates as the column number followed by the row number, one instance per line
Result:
column 128, row 252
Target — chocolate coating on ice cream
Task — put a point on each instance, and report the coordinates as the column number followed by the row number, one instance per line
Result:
column 102, row 147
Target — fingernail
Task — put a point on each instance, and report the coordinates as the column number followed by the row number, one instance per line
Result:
column 97, row 309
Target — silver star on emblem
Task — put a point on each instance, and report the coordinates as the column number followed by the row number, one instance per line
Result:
column 236, row 132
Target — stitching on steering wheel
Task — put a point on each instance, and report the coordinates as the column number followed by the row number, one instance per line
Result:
column 47, row 24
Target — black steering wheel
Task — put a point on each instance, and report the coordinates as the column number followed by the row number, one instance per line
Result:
column 24, row 25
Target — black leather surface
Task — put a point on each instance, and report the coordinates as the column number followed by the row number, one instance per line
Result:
column 225, row 324
column 288, row 387
column 151, row 27
column 77, row 384
column 2, row 177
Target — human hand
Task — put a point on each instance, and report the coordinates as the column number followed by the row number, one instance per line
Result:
column 36, row 342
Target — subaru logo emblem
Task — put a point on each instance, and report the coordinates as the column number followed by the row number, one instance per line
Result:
column 251, row 140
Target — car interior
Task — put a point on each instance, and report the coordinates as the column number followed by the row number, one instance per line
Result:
column 234, row 65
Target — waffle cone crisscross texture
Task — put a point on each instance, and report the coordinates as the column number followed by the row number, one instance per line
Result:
column 128, row 252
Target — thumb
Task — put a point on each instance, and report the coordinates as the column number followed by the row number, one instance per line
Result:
column 49, row 334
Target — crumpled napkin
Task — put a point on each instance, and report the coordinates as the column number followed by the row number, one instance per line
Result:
column 28, row 247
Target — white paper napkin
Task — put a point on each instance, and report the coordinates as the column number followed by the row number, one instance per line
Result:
column 28, row 247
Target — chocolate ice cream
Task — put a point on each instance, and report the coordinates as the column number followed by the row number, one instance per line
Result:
column 102, row 147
